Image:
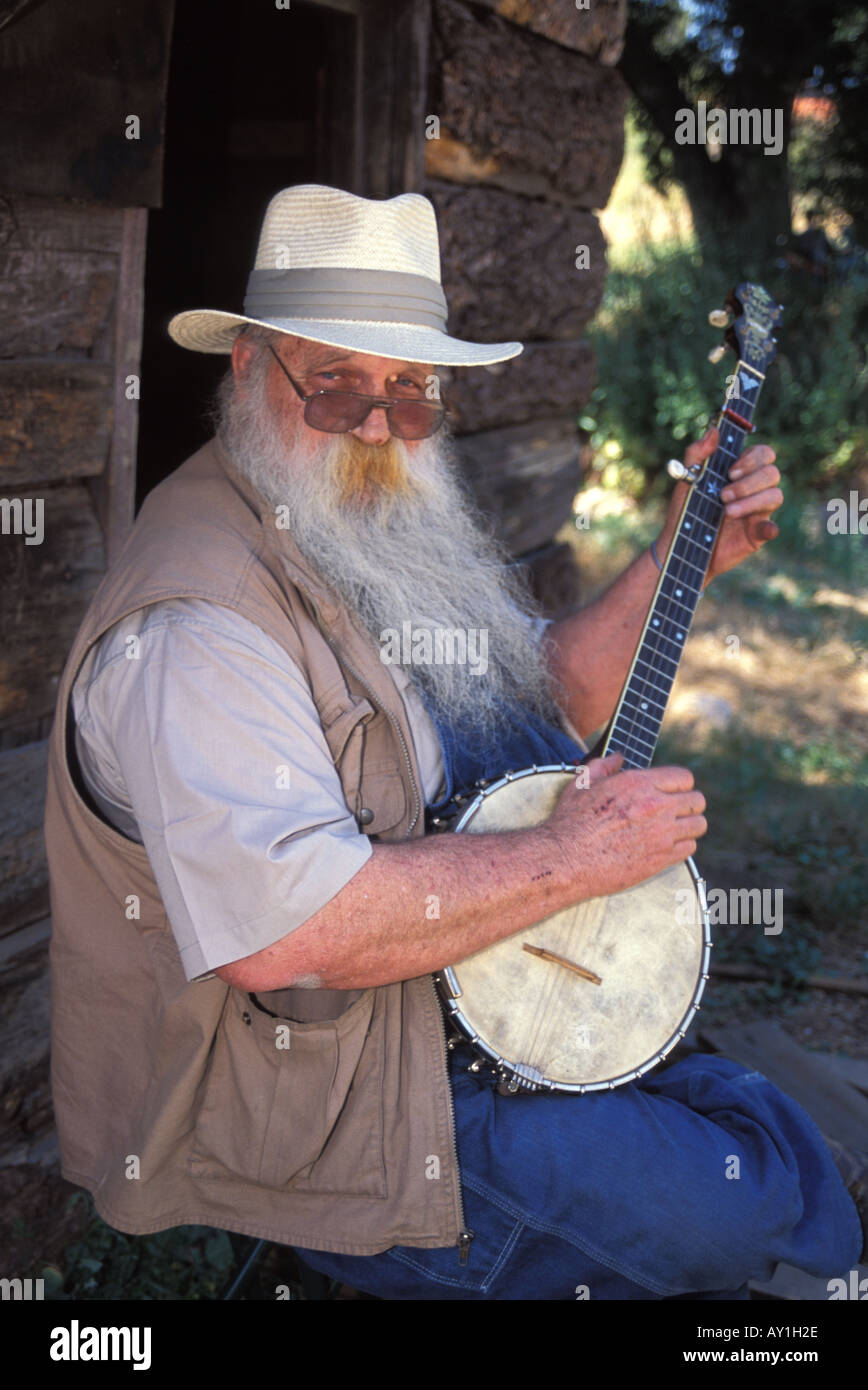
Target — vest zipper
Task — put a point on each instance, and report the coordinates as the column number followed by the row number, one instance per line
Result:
column 464, row 1246
column 465, row 1235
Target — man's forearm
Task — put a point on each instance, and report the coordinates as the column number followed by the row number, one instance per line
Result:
column 590, row 651
column 419, row 906
column 416, row 907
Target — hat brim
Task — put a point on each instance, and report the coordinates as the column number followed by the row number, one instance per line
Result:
column 211, row 330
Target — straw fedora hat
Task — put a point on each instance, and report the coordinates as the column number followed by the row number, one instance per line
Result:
column 356, row 273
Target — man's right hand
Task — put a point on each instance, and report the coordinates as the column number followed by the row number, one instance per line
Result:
column 625, row 827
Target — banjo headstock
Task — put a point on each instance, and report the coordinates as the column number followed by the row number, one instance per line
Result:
column 751, row 332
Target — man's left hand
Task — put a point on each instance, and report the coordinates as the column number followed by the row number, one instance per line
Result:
column 750, row 497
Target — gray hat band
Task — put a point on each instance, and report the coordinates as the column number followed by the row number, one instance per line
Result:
column 387, row 296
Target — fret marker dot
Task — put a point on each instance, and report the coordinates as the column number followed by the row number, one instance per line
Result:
column 644, row 705
column 708, row 538
column 655, row 622
column 678, row 593
column 687, row 525
column 679, row 635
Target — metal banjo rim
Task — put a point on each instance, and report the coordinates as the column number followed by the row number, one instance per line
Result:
column 511, row 1072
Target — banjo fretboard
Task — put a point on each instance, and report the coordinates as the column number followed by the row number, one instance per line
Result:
column 635, row 727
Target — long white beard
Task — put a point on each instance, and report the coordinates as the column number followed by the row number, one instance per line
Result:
column 415, row 563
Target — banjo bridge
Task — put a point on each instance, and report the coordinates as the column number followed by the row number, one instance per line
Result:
column 551, row 1033
column 562, row 960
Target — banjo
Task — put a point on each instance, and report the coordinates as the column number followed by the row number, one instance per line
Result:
column 596, row 995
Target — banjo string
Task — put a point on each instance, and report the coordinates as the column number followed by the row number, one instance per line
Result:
column 707, row 512
column 544, row 1011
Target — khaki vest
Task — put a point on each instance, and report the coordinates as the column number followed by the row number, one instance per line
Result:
column 180, row 1102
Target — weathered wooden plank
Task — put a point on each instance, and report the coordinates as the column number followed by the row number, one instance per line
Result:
column 25, row 1094
column 24, row 939
column 47, row 588
column 519, row 113
column 837, row 1108
column 115, row 489
column 25, row 730
column 58, row 271
column 31, row 223
column 23, row 871
column 413, row 21
column 597, row 31
column 509, row 265
column 393, row 64
column 525, row 477
column 55, row 421
column 546, row 379
column 54, row 301
column 70, row 77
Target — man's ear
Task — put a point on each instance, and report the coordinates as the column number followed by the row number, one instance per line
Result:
column 242, row 351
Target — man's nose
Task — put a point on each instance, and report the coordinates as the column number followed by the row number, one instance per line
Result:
column 374, row 429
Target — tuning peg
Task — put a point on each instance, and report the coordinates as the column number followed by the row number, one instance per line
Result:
column 676, row 469
column 720, row 318
column 716, row 353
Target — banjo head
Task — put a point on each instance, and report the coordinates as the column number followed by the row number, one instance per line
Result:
column 547, row 1025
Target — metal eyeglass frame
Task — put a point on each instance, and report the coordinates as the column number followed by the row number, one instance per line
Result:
column 385, row 401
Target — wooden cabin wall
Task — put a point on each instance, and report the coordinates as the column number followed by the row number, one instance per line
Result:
column 74, row 194
column 529, row 142
column 70, row 295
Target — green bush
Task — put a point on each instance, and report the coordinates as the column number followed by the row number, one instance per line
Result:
column 185, row 1262
column 657, row 390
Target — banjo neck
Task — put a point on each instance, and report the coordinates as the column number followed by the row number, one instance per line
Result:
column 635, row 725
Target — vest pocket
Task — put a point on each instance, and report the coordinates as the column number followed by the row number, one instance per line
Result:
column 371, row 783
column 338, row 728
column 274, row 1096
column 385, row 796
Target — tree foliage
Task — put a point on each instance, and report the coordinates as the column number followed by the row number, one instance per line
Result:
column 749, row 54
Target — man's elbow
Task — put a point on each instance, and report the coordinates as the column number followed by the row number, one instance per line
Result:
column 239, row 974
column 281, row 966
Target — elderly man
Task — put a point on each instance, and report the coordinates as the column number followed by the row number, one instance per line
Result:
column 246, row 1031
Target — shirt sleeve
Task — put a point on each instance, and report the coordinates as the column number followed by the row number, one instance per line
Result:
column 212, row 736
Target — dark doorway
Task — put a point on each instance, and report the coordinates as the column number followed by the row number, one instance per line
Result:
column 258, row 98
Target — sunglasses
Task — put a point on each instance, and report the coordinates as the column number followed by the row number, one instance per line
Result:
column 338, row 412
